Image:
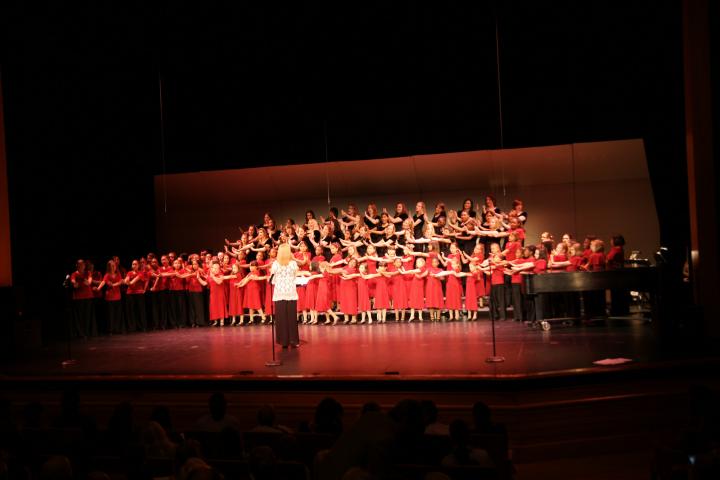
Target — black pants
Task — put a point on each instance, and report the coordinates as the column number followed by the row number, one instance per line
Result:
column 535, row 307
column 497, row 302
column 114, row 316
column 135, row 318
column 178, row 310
column 517, row 303
column 286, row 328
column 196, row 308
column 84, row 318
column 163, row 309
column 155, row 310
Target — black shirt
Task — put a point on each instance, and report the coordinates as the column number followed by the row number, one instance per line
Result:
column 418, row 229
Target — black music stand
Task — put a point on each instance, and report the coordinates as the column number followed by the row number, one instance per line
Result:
column 495, row 357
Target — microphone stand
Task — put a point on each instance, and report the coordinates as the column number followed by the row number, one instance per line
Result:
column 69, row 361
column 495, row 357
column 274, row 362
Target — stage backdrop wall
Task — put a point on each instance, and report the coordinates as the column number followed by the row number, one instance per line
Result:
column 601, row 188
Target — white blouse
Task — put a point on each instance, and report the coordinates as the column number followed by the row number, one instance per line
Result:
column 284, row 281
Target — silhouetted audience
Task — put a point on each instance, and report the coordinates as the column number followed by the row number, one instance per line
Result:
column 57, row 468
column 72, row 417
column 430, row 417
column 231, row 444
column 375, row 446
column 217, row 419
column 121, row 431
column 463, row 453
column 482, row 421
column 161, row 415
column 263, row 463
column 156, row 442
column 267, row 422
column 328, row 417
column 376, row 442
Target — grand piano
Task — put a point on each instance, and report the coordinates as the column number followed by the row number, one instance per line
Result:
column 637, row 278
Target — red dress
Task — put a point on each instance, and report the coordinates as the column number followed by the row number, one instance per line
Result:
column 433, row 290
column 218, row 301
column 322, row 298
column 268, row 302
column 471, row 296
column 453, row 293
column 481, row 289
column 235, row 303
column 398, row 291
column 371, row 268
column 347, row 294
column 363, row 295
column 312, row 287
column 417, row 291
column 301, row 289
column 253, row 296
column 335, row 279
column 382, row 293
column 408, row 263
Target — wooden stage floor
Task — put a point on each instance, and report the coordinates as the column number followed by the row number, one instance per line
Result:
column 416, row 351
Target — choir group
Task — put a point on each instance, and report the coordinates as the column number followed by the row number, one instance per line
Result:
column 354, row 267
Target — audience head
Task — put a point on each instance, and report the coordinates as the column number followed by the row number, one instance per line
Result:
column 57, row 468
column 408, row 414
column 459, row 432
column 328, row 416
column 266, row 416
column 481, row 416
column 262, row 463
column 218, row 406
column 429, row 411
column 161, row 415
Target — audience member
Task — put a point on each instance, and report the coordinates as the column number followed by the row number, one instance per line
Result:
column 161, row 415
column 72, row 417
column 57, row 468
column 121, row 431
column 328, row 417
column 263, row 463
column 266, row 421
column 430, row 417
column 156, row 442
column 217, row 419
column 462, row 453
column 482, row 421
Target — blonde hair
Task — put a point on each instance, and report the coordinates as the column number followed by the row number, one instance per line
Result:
column 284, row 254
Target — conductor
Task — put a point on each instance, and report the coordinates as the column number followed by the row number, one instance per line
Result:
column 284, row 270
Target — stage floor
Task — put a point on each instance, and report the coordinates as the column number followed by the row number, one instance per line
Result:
column 415, row 351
